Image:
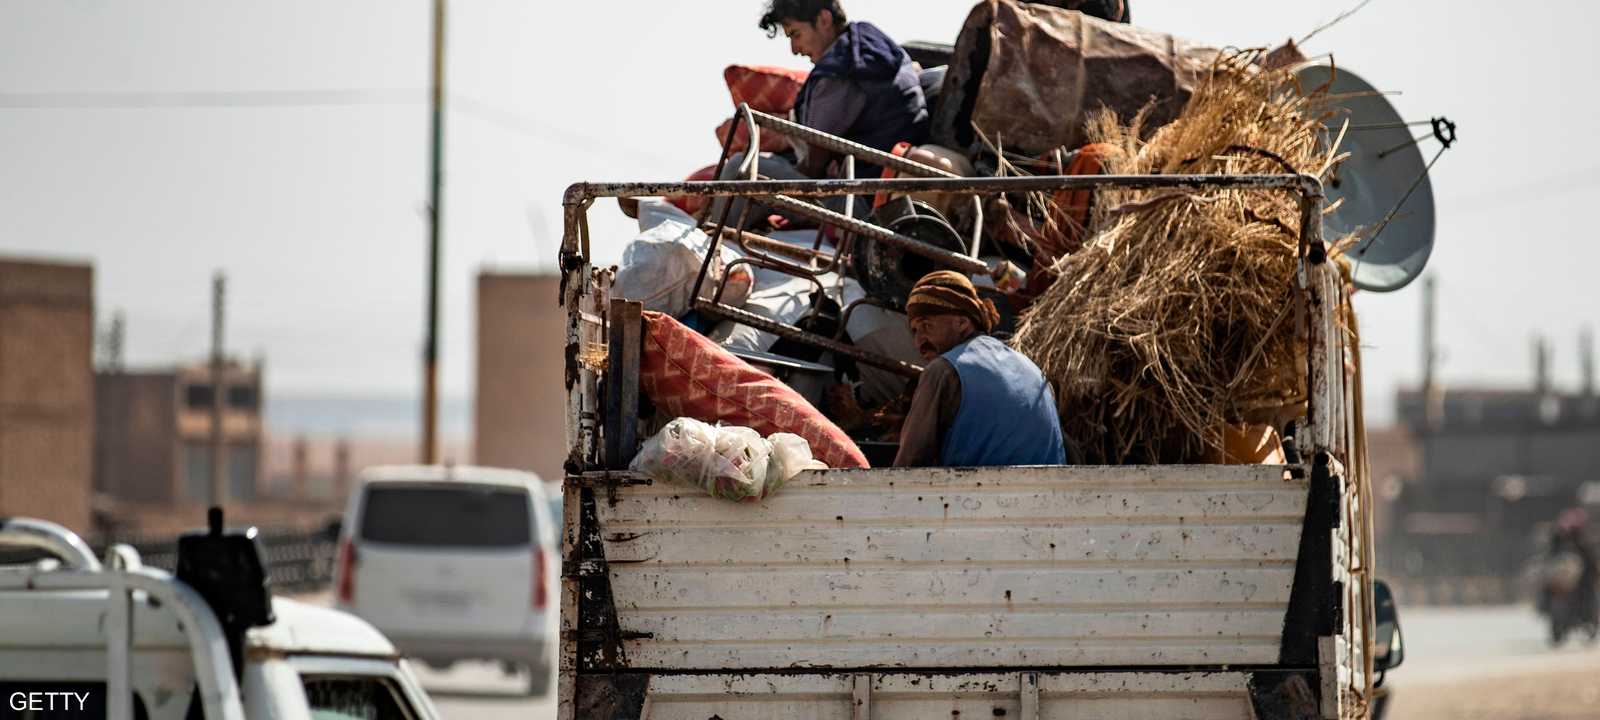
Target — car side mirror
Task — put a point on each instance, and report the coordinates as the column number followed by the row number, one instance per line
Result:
column 1388, row 647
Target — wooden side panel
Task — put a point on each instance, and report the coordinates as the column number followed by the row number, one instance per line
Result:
column 1059, row 696
column 1013, row 567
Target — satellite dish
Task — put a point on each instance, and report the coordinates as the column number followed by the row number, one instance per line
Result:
column 1384, row 183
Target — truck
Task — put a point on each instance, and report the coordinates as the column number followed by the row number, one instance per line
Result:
column 1194, row 591
column 82, row 638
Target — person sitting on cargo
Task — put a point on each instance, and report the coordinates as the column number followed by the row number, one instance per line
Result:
column 863, row 87
column 978, row 402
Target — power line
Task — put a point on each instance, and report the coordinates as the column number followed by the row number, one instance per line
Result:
column 533, row 128
column 339, row 97
column 1544, row 188
column 507, row 120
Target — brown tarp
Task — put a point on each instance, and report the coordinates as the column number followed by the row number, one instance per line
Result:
column 1029, row 76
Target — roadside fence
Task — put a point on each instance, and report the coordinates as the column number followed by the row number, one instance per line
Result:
column 299, row 561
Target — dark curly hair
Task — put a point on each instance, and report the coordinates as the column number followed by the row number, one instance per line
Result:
column 805, row 11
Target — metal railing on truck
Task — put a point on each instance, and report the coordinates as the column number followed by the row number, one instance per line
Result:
column 216, row 681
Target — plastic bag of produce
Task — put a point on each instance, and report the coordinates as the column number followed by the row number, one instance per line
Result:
column 732, row 463
column 791, row 454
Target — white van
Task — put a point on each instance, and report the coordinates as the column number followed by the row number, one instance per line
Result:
column 454, row 563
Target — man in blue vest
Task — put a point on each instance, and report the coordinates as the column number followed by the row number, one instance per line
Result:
column 978, row 402
column 863, row 87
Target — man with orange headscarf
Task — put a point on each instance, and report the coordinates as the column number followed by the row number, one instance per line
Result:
column 978, row 403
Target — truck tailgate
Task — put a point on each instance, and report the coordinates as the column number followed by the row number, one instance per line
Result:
column 947, row 568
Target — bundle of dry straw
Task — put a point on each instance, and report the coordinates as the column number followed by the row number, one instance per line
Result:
column 1176, row 319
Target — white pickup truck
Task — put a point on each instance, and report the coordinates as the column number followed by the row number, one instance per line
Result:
column 1205, row 591
column 121, row 641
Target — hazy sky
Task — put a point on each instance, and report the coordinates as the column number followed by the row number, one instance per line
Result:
column 120, row 143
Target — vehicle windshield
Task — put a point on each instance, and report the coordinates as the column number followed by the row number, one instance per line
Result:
column 464, row 516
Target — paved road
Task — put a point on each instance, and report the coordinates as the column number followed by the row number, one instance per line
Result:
column 1449, row 644
column 1445, row 649
column 1491, row 663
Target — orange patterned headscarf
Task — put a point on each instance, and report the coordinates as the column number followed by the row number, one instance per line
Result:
column 947, row 292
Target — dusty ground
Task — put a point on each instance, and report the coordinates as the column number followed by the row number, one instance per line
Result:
column 1491, row 662
column 1561, row 695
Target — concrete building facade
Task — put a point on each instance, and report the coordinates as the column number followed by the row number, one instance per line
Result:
column 519, row 412
column 46, row 391
column 154, row 439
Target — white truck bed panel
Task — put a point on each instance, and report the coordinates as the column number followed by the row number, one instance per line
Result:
column 939, row 568
column 1108, row 696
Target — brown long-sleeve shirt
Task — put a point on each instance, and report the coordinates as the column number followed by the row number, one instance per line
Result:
column 933, row 410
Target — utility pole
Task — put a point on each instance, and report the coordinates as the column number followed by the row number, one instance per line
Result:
column 219, row 395
column 113, row 359
column 1432, row 398
column 430, row 353
column 1541, row 365
column 1586, row 360
column 1430, row 352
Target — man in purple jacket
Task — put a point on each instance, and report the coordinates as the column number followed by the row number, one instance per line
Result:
column 863, row 87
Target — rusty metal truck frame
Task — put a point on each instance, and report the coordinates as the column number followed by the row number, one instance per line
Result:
column 602, row 431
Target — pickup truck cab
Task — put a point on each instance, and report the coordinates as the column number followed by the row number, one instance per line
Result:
column 79, row 639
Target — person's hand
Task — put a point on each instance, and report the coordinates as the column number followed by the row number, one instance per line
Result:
column 843, row 408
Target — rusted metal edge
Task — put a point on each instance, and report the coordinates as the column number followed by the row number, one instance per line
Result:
column 622, row 384
column 1290, row 697
column 789, row 332
column 1313, row 604
column 985, row 670
column 840, row 145
column 619, row 696
column 597, row 623
column 582, row 192
column 596, row 636
column 861, row 227
column 609, row 478
column 768, row 244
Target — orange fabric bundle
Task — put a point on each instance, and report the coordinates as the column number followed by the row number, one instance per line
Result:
column 687, row 375
column 693, row 203
column 766, row 88
column 1069, row 218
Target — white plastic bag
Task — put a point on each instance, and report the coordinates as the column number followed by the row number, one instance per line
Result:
column 732, row 463
column 660, row 265
column 791, row 454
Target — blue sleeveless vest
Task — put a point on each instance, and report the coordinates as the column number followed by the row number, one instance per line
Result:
column 1007, row 415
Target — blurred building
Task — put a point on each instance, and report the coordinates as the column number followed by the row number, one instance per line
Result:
column 322, row 469
column 46, row 390
column 519, row 414
column 1496, row 467
column 154, row 437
